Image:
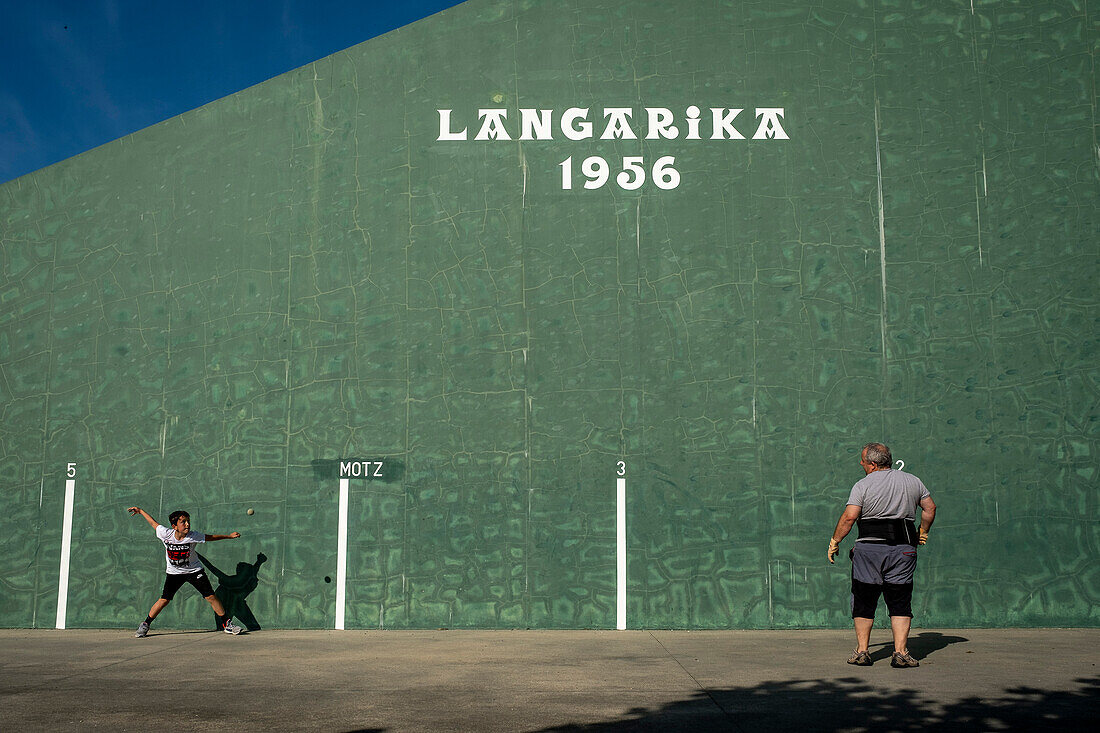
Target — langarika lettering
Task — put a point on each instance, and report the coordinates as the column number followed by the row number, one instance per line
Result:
column 630, row 172
column 615, row 123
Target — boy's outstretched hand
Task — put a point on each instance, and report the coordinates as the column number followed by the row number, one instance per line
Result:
column 134, row 511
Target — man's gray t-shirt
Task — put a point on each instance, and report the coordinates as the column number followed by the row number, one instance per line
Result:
column 888, row 494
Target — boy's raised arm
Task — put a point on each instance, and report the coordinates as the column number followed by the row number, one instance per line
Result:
column 135, row 510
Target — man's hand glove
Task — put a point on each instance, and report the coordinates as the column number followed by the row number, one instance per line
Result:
column 923, row 536
column 834, row 548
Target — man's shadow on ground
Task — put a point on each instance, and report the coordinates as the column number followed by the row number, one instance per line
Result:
column 233, row 590
column 920, row 646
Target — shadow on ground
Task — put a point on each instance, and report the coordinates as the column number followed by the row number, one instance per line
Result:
column 920, row 645
column 851, row 704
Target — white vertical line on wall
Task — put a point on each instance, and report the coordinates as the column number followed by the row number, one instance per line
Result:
column 342, row 555
column 620, row 533
column 882, row 268
column 66, row 549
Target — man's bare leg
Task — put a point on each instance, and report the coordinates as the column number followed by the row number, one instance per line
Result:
column 900, row 626
column 863, row 632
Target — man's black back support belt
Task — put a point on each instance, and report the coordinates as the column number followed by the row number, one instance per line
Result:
column 893, row 531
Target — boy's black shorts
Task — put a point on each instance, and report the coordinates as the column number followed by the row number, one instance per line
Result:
column 173, row 583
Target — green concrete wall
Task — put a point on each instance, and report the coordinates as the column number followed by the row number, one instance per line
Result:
column 208, row 313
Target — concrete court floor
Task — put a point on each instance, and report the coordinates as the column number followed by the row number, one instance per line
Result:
column 969, row 679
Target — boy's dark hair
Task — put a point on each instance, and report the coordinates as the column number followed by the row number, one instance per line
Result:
column 176, row 516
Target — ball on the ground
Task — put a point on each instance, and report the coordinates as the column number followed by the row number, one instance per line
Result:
column 251, row 511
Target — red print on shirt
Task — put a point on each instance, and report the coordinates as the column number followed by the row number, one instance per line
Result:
column 179, row 554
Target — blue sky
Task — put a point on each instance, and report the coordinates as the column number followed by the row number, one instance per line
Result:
column 75, row 74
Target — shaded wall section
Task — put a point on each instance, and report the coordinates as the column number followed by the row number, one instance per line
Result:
column 207, row 314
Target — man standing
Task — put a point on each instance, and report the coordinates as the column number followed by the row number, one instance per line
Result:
column 884, row 503
column 184, row 567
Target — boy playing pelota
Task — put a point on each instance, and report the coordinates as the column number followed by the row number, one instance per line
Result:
column 184, row 567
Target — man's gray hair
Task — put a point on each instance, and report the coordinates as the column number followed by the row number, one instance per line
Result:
column 878, row 455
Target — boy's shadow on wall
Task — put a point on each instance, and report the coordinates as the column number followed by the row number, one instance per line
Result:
column 233, row 590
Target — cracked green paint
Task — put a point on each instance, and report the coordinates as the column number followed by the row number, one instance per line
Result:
column 199, row 313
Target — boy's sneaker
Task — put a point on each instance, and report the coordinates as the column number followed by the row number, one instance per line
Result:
column 860, row 659
column 232, row 628
column 142, row 631
column 902, row 659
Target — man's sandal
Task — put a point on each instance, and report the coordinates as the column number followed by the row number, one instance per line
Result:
column 902, row 659
column 860, row 659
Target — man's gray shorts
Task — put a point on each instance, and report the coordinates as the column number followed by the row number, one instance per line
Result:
column 879, row 568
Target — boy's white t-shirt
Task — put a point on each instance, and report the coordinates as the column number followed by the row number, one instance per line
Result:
column 180, row 554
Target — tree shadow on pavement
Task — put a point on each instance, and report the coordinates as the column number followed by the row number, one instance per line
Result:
column 851, row 704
